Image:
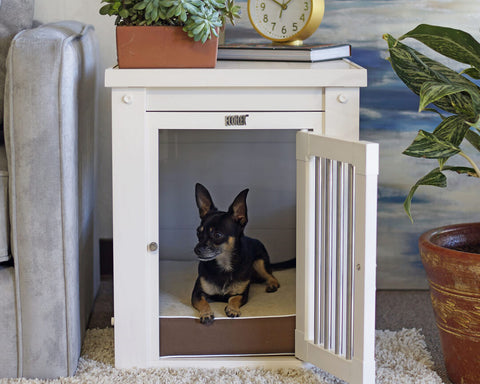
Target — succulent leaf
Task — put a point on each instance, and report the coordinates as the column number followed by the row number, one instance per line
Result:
column 105, row 9
column 140, row 6
column 199, row 18
column 123, row 13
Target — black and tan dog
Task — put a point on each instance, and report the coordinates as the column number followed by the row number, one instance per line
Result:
column 229, row 260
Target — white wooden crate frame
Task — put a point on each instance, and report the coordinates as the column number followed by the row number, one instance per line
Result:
column 320, row 100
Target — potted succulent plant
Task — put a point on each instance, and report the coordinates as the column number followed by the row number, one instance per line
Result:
column 169, row 33
column 450, row 255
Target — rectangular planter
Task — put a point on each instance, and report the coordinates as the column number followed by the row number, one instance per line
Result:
column 163, row 47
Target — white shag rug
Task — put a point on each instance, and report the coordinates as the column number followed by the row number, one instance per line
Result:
column 401, row 358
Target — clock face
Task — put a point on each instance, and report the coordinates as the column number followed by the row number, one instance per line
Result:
column 285, row 20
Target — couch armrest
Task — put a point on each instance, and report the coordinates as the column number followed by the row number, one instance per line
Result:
column 50, row 102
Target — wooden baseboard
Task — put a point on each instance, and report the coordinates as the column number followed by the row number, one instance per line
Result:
column 106, row 257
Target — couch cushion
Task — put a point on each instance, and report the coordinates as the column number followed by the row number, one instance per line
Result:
column 49, row 136
column 4, row 217
column 8, row 325
column 15, row 15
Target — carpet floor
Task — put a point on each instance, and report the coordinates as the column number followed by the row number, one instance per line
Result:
column 401, row 357
column 395, row 310
column 411, row 309
column 407, row 313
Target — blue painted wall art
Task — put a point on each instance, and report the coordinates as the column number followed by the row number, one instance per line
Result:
column 389, row 116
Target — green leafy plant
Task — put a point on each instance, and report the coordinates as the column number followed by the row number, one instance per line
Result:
column 199, row 18
column 445, row 91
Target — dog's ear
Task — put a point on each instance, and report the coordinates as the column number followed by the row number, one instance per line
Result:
column 238, row 209
column 204, row 200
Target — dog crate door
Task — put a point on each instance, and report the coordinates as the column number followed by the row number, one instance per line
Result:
column 336, row 255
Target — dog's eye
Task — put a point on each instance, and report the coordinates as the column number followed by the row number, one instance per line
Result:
column 218, row 235
column 199, row 230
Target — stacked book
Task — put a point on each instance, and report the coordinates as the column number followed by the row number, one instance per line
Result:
column 277, row 52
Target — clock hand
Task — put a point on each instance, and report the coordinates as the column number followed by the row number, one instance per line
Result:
column 284, row 7
column 277, row 2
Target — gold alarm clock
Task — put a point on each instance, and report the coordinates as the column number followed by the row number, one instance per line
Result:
column 286, row 21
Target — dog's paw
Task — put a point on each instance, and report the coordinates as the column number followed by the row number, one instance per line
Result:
column 232, row 312
column 272, row 285
column 207, row 318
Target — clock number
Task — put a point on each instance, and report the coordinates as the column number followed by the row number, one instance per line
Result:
column 265, row 18
column 302, row 17
column 295, row 27
column 284, row 30
column 262, row 6
column 273, row 25
column 306, row 6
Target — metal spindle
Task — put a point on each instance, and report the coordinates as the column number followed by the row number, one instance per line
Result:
column 318, row 320
column 345, row 257
column 327, row 250
column 350, row 261
column 323, row 221
column 339, row 259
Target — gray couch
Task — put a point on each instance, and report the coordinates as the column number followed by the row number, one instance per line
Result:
column 47, row 189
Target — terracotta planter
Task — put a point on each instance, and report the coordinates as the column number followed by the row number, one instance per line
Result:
column 454, row 278
column 163, row 47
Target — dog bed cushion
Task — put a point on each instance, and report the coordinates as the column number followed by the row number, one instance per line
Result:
column 266, row 324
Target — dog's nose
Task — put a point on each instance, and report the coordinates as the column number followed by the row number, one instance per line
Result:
column 198, row 249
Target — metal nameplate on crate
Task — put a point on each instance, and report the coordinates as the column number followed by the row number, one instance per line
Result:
column 235, row 120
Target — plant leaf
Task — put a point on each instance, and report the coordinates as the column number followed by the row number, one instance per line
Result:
column 171, row 12
column 453, row 43
column 435, row 178
column 435, row 111
column 461, row 170
column 198, row 29
column 414, row 69
column 123, row 13
column 429, row 146
column 191, row 8
column 473, row 138
column 473, row 73
column 104, row 10
column 140, row 6
column 432, row 91
column 452, row 129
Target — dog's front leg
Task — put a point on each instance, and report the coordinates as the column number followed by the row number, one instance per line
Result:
column 202, row 306
column 233, row 307
column 200, row 303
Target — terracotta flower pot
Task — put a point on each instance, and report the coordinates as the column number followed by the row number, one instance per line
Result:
column 163, row 47
column 454, row 278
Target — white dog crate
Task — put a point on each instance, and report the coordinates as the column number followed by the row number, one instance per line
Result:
column 158, row 119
